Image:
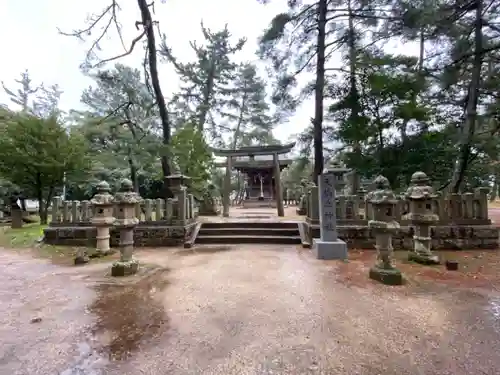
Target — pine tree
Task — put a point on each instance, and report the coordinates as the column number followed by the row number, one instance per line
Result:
column 206, row 81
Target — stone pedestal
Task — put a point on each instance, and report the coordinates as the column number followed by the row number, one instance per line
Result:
column 102, row 219
column 208, row 206
column 125, row 222
column 383, row 225
column 421, row 216
column 17, row 218
column 329, row 246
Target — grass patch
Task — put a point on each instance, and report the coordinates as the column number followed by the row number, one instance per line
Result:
column 28, row 238
column 25, row 237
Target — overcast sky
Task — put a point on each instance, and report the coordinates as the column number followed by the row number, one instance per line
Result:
column 31, row 41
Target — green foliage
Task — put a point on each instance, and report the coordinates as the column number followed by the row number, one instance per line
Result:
column 35, row 153
column 121, row 127
column 192, row 155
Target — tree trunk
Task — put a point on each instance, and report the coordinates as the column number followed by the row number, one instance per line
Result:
column 42, row 212
column 469, row 127
column 133, row 171
column 319, row 90
column 354, row 99
column 207, row 95
column 43, row 205
column 147, row 22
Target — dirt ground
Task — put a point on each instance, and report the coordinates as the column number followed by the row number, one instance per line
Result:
column 248, row 310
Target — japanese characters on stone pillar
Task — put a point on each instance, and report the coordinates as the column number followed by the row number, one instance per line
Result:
column 329, row 246
column 126, row 200
column 383, row 225
column 103, row 219
column 421, row 216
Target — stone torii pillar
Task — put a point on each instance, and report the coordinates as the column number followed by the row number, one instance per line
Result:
column 277, row 184
column 226, row 201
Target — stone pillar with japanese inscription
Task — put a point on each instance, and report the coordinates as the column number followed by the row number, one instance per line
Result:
column 126, row 200
column 329, row 246
column 383, row 226
column 421, row 216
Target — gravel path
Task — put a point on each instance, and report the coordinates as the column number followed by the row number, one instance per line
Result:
column 240, row 311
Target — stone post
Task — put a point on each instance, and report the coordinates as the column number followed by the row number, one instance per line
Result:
column 383, row 226
column 126, row 220
column 482, row 199
column 56, row 207
column 226, row 200
column 329, row 246
column 420, row 195
column 102, row 219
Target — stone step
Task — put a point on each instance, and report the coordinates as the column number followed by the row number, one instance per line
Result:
column 252, row 224
column 249, row 231
column 242, row 239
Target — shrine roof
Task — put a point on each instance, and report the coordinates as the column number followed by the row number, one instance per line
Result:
column 254, row 150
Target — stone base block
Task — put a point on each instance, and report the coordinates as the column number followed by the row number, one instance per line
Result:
column 329, row 250
column 81, row 259
column 124, row 268
column 427, row 260
column 386, row 276
column 300, row 211
column 101, row 253
column 208, row 213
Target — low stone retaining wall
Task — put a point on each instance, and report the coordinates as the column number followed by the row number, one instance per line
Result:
column 145, row 235
column 443, row 237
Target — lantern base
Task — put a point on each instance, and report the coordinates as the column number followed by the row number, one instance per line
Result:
column 386, row 276
column 327, row 250
column 428, row 260
column 124, row 268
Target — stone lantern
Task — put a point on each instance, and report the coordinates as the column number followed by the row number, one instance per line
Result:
column 302, row 209
column 126, row 200
column 384, row 226
column 339, row 173
column 102, row 219
column 177, row 181
column 420, row 196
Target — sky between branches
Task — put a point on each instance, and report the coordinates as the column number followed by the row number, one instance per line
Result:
column 31, row 41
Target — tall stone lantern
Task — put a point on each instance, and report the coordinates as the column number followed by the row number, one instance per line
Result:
column 176, row 184
column 420, row 196
column 384, row 226
column 126, row 200
column 177, row 181
column 339, row 172
column 102, row 218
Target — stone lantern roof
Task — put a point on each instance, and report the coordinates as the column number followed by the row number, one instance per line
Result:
column 103, row 195
column 127, row 193
column 383, row 194
column 420, row 188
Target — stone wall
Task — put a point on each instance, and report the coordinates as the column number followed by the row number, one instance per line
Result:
column 444, row 237
column 146, row 234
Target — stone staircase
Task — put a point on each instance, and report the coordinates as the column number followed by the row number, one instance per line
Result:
column 284, row 233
